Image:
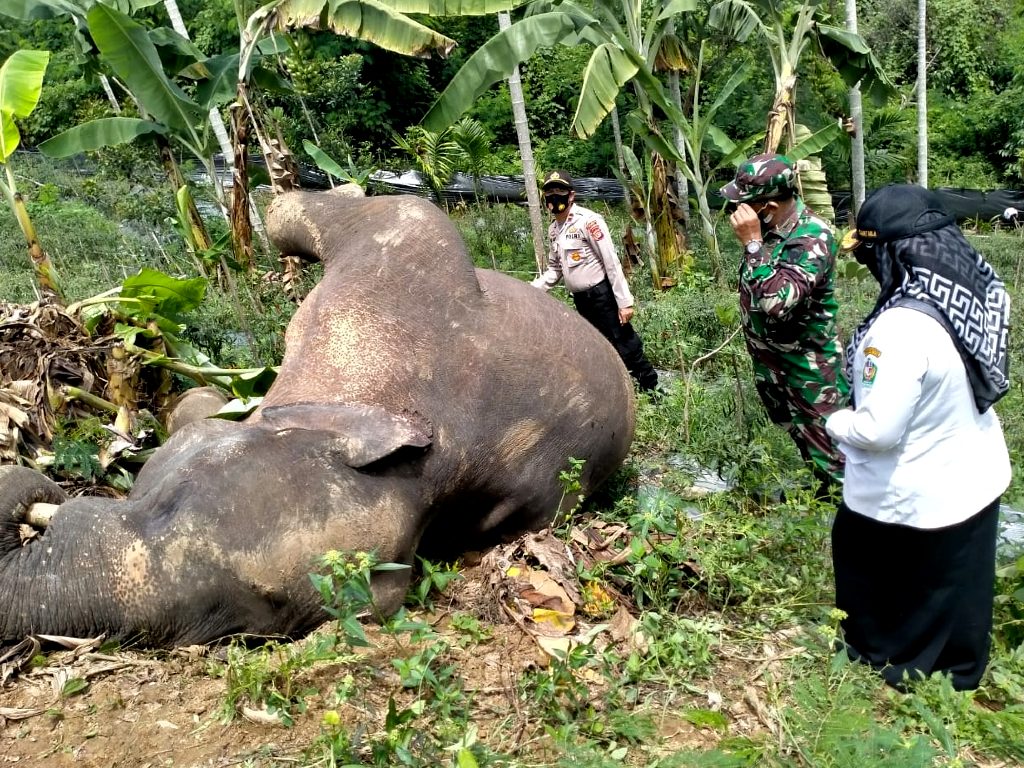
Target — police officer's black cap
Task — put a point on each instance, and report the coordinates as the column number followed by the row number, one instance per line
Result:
column 557, row 179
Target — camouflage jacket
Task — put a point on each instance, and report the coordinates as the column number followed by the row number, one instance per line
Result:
column 787, row 302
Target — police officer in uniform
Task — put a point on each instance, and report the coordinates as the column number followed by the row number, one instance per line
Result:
column 583, row 256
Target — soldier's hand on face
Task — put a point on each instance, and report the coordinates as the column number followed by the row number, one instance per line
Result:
column 625, row 315
column 745, row 224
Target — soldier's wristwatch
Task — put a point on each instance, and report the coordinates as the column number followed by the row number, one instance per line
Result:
column 753, row 247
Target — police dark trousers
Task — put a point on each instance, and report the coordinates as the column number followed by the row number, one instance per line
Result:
column 597, row 305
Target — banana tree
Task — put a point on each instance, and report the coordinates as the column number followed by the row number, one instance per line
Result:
column 21, row 83
column 233, row 74
column 75, row 10
column 693, row 132
column 181, row 59
column 631, row 40
column 788, row 32
column 167, row 113
column 369, row 20
column 522, row 128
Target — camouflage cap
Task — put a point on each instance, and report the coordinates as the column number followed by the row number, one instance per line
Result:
column 557, row 179
column 762, row 177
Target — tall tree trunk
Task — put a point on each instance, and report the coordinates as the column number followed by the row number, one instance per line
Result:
column 857, row 117
column 922, row 94
column 526, row 152
column 781, row 116
column 664, row 216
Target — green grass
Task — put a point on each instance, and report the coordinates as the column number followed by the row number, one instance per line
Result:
column 733, row 590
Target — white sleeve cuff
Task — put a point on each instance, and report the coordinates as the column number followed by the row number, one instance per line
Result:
column 838, row 424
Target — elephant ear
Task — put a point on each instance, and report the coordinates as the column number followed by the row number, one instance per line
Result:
column 365, row 433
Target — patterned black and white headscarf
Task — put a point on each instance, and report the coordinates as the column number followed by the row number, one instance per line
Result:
column 943, row 275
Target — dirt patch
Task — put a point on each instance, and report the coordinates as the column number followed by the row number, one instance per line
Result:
column 157, row 714
column 143, row 710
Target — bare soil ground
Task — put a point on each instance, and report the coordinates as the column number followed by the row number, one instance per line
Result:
column 144, row 709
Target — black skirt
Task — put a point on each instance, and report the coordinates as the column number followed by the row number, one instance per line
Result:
column 917, row 601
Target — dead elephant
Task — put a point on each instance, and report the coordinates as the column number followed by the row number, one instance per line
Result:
column 422, row 405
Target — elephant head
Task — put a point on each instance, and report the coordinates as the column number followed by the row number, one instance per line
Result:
column 422, row 405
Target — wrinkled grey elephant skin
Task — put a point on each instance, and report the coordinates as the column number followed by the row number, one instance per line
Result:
column 422, row 406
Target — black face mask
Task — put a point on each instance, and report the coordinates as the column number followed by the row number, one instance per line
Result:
column 881, row 261
column 556, row 202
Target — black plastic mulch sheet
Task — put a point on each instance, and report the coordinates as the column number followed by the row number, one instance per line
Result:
column 964, row 204
column 493, row 189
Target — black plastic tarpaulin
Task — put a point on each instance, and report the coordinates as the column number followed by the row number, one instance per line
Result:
column 964, row 204
column 494, row 189
column 974, row 204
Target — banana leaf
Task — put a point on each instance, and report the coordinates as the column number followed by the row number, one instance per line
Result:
column 125, row 45
column 104, row 132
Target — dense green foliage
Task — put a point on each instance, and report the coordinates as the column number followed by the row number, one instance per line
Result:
column 350, row 98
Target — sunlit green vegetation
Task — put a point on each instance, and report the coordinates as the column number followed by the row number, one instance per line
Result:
column 731, row 591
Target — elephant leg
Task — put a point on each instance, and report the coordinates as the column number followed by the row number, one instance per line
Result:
column 20, row 488
column 192, row 405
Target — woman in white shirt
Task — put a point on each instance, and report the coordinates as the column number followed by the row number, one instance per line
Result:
column 913, row 542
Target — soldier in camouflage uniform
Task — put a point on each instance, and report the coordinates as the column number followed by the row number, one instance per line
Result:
column 788, row 307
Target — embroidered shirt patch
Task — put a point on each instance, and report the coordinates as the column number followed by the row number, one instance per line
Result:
column 595, row 230
column 575, row 255
column 872, row 352
column 869, row 373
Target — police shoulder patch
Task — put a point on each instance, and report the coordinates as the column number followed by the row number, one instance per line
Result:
column 595, row 230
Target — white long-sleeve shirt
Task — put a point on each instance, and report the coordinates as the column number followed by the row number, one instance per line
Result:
column 582, row 254
column 918, row 453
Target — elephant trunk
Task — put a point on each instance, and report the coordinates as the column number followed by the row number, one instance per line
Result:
column 56, row 584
